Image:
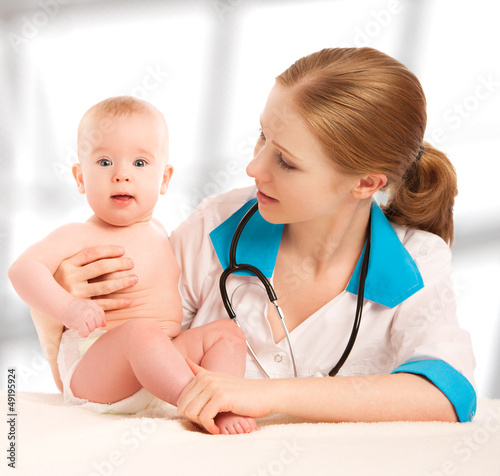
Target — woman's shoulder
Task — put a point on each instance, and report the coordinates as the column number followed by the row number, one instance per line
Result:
column 429, row 251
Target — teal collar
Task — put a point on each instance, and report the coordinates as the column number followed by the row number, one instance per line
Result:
column 392, row 274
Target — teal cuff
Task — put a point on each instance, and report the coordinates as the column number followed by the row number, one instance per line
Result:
column 451, row 382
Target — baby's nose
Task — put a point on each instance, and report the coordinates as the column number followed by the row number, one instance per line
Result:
column 121, row 177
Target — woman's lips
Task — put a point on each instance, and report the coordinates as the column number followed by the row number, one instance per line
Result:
column 122, row 200
column 264, row 199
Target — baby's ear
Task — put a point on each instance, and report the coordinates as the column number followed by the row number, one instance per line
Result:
column 167, row 174
column 77, row 173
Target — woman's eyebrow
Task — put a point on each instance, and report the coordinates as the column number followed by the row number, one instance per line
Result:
column 280, row 146
column 286, row 151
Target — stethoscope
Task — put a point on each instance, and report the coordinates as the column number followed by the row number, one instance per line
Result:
column 234, row 267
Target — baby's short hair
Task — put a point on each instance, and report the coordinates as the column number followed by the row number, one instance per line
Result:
column 122, row 105
column 116, row 106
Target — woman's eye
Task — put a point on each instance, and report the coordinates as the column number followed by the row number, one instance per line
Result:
column 140, row 163
column 282, row 163
column 278, row 155
column 104, row 162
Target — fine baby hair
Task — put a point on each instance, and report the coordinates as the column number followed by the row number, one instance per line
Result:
column 112, row 107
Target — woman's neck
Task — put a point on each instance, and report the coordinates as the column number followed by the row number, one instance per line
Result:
column 327, row 241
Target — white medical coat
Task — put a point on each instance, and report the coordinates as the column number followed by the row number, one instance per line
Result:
column 419, row 335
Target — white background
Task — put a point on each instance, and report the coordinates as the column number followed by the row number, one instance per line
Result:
column 208, row 65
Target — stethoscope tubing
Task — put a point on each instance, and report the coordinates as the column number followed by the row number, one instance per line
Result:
column 235, row 267
column 359, row 305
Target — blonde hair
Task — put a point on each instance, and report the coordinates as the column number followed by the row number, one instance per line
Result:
column 368, row 111
column 116, row 106
column 121, row 106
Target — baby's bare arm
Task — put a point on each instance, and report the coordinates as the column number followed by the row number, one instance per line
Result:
column 32, row 278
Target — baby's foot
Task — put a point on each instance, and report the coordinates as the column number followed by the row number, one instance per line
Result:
column 232, row 424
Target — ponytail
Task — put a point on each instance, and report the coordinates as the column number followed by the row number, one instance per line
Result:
column 425, row 195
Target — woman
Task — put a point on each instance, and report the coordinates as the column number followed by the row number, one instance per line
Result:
column 339, row 125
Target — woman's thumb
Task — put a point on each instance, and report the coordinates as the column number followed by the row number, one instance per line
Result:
column 194, row 367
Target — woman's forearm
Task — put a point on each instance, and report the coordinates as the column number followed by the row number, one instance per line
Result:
column 363, row 398
column 395, row 397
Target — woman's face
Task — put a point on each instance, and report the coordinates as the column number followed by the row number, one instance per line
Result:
column 295, row 179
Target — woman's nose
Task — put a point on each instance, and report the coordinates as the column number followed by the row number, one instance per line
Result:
column 258, row 167
column 251, row 168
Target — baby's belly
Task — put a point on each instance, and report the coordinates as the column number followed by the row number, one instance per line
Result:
column 146, row 304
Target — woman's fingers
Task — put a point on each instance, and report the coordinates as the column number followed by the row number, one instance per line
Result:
column 194, row 368
column 190, row 401
column 90, row 263
column 103, row 288
column 189, row 392
column 201, row 412
column 113, row 304
column 95, row 253
column 82, row 274
column 211, row 393
column 98, row 269
column 207, row 416
column 199, row 399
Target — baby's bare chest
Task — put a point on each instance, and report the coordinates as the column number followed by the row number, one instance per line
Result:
column 150, row 251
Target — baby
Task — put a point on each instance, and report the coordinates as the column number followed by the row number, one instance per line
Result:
column 110, row 357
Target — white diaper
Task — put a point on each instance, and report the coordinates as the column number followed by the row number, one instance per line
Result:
column 72, row 349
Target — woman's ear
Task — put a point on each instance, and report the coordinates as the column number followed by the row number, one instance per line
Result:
column 78, row 174
column 368, row 185
column 167, row 175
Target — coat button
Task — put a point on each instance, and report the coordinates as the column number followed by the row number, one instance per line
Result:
column 278, row 358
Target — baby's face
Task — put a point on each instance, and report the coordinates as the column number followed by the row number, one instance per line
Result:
column 123, row 166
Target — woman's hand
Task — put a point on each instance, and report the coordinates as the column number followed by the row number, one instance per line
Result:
column 210, row 393
column 79, row 275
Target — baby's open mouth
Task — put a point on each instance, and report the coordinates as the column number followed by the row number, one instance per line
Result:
column 122, row 199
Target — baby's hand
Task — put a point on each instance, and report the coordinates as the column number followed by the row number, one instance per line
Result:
column 84, row 316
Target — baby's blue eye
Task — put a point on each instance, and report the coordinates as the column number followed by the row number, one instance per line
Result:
column 104, row 162
column 140, row 163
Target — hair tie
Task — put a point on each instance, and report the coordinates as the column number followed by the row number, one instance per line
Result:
column 420, row 152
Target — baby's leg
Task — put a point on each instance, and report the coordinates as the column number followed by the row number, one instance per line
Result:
column 219, row 346
column 136, row 354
